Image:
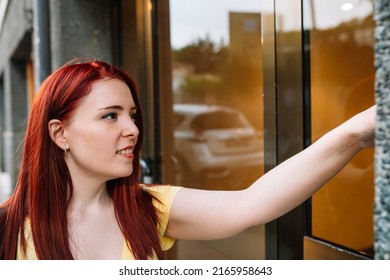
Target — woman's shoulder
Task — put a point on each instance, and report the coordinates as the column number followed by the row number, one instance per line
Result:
column 163, row 194
column 160, row 189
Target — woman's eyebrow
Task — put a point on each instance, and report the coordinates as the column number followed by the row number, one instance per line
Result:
column 117, row 107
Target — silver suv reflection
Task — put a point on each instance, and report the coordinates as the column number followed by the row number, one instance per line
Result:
column 216, row 144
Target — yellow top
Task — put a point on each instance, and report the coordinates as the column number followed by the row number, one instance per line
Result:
column 165, row 195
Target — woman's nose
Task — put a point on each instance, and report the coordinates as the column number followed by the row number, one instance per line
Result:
column 130, row 129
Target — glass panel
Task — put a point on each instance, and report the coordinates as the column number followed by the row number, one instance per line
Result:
column 218, row 109
column 342, row 84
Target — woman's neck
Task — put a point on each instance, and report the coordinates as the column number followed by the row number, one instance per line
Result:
column 89, row 193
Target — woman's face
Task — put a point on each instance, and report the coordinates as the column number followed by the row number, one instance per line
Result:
column 102, row 134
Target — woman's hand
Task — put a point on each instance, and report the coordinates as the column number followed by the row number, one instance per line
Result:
column 365, row 121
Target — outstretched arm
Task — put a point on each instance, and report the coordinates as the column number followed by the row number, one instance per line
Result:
column 199, row 214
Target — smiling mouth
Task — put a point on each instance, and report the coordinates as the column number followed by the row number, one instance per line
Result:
column 125, row 152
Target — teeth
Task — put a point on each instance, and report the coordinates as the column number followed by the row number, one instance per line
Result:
column 125, row 152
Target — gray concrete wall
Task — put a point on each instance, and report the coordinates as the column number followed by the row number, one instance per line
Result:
column 382, row 149
column 15, row 49
column 18, row 21
column 80, row 28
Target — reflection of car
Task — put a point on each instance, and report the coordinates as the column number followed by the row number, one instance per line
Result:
column 215, row 143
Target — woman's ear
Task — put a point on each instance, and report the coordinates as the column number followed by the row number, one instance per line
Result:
column 57, row 133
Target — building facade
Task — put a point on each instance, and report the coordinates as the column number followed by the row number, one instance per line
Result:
column 260, row 81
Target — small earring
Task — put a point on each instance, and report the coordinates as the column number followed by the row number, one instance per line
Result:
column 66, row 149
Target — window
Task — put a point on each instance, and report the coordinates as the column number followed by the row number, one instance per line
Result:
column 217, row 92
column 342, row 84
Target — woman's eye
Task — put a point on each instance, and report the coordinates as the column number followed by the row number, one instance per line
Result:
column 111, row 116
column 133, row 116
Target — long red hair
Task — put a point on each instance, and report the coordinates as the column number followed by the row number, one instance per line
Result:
column 44, row 188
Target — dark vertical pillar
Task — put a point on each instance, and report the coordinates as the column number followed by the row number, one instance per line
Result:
column 41, row 41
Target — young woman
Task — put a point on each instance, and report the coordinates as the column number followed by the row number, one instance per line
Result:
column 78, row 195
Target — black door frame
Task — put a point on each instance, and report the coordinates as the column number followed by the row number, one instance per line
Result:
column 285, row 112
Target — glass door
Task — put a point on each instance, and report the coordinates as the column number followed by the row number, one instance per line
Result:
column 341, row 64
column 217, row 109
column 238, row 87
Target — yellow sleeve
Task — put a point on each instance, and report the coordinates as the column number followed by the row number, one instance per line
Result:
column 164, row 198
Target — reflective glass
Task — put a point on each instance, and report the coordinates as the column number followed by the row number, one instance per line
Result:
column 342, row 84
column 218, row 108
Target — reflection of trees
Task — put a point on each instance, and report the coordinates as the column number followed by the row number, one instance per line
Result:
column 200, row 85
column 240, row 74
column 203, row 54
column 344, row 52
column 221, row 76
